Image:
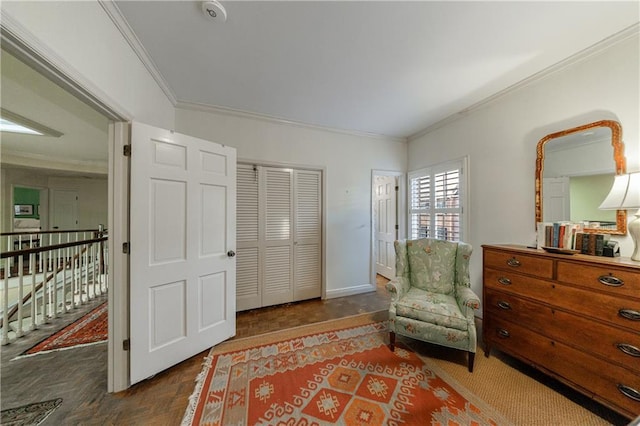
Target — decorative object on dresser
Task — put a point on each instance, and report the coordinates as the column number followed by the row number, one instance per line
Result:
column 576, row 318
column 431, row 296
column 625, row 194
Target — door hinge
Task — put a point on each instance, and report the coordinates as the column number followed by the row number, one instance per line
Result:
column 397, row 227
column 126, row 150
column 397, row 188
column 126, row 248
column 126, row 344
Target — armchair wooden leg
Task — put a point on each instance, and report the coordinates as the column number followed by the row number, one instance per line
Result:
column 392, row 340
column 471, row 358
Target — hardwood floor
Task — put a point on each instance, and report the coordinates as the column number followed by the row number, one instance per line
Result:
column 79, row 375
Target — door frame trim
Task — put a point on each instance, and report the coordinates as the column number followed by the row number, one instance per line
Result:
column 27, row 48
column 400, row 214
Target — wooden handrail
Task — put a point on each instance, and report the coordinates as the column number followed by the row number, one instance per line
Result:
column 68, row 231
column 23, row 252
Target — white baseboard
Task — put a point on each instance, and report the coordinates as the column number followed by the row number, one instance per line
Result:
column 350, row 291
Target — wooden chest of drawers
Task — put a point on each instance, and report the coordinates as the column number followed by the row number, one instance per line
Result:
column 576, row 318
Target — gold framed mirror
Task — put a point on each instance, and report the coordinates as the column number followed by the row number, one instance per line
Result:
column 575, row 169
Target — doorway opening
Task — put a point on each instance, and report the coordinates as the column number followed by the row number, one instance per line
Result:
column 69, row 167
column 387, row 224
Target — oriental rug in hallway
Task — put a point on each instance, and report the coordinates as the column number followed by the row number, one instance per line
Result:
column 92, row 328
column 342, row 377
column 30, row 414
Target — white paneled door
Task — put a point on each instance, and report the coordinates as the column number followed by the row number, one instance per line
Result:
column 556, row 199
column 183, row 236
column 385, row 204
column 64, row 209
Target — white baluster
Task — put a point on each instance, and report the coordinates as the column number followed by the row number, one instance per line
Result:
column 54, row 284
column 86, row 271
column 32, row 261
column 45, row 262
column 5, row 303
column 19, row 332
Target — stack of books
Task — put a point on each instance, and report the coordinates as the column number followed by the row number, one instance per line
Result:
column 571, row 236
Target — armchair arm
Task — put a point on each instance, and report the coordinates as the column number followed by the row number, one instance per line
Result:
column 398, row 287
column 467, row 300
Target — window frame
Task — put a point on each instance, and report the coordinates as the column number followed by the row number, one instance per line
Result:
column 431, row 171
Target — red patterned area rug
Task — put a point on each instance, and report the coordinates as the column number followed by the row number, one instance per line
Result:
column 340, row 377
column 91, row 329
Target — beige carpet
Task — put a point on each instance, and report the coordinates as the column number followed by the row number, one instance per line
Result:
column 518, row 396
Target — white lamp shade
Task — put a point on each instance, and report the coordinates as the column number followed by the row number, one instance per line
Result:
column 616, row 194
column 632, row 199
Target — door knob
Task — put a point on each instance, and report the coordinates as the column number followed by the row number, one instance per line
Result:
column 231, row 253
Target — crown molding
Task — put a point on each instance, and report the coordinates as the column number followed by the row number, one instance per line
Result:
column 194, row 106
column 40, row 161
column 116, row 16
column 580, row 56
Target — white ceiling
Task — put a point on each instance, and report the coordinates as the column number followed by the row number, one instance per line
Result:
column 389, row 68
column 386, row 67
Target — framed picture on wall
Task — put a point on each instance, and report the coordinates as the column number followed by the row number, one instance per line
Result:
column 23, row 209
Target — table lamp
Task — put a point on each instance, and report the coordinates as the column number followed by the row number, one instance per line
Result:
column 625, row 195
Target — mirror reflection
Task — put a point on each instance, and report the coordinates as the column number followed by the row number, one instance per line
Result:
column 574, row 173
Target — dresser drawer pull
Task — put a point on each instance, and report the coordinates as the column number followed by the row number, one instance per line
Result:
column 610, row 280
column 504, row 281
column 628, row 349
column 504, row 305
column 629, row 392
column 513, row 262
column 503, row 334
column 629, row 314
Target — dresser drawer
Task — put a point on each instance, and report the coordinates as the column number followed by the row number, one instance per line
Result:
column 619, row 346
column 522, row 263
column 513, row 282
column 600, row 377
column 621, row 282
column 511, row 308
column 623, row 312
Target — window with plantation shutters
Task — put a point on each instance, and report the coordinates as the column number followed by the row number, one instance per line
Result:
column 436, row 198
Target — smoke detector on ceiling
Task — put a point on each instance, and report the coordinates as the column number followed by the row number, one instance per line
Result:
column 214, row 11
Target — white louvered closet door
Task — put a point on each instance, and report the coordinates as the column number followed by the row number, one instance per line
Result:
column 278, row 236
column 248, row 271
column 307, row 235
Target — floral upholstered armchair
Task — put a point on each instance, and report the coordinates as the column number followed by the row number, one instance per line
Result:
column 431, row 296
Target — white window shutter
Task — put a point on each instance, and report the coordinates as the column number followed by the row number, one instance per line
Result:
column 436, row 201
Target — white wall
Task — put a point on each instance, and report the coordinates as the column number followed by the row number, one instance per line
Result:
column 347, row 161
column 81, row 40
column 500, row 139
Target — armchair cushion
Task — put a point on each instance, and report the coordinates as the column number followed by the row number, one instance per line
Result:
column 432, row 265
column 433, row 308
